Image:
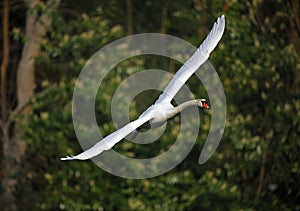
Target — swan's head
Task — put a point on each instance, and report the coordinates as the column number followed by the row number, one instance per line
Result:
column 203, row 104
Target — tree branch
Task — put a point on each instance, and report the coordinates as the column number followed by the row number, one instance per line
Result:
column 18, row 110
column 262, row 172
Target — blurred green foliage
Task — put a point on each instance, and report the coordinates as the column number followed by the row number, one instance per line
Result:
column 256, row 166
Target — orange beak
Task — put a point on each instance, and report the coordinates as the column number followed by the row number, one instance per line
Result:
column 205, row 105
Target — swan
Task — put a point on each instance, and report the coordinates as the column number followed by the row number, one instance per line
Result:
column 162, row 110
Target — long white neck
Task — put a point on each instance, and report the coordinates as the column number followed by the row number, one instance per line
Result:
column 181, row 107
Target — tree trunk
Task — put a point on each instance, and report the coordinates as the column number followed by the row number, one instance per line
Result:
column 13, row 147
column 129, row 18
column 35, row 28
column 5, row 23
column 164, row 19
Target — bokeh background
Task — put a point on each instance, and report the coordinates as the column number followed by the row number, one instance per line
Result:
column 44, row 45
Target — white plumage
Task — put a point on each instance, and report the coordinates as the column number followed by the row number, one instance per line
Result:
column 162, row 109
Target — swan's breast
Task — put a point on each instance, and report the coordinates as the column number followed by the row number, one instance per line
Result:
column 160, row 114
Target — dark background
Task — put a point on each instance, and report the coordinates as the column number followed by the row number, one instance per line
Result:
column 256, row 166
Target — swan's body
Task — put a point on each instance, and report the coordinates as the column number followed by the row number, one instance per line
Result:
column 168, row 112
column 162, row 110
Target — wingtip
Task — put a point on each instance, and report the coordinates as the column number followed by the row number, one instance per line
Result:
column 82, row 156
column 214, row 36
column 67, row 158
column 221, row 19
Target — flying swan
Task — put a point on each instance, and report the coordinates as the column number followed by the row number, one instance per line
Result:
column 162, row 110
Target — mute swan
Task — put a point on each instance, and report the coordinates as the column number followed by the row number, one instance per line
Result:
column 162, row 110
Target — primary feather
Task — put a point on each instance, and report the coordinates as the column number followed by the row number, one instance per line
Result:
column 193, row 63
column 109, row 141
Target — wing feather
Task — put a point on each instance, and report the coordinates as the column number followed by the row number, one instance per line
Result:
column 109, row 141
column 193, row 63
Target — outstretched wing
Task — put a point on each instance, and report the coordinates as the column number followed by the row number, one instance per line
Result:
column 109, row 141
column 193, row 63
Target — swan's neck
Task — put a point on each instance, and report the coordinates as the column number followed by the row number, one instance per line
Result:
column 181, row 107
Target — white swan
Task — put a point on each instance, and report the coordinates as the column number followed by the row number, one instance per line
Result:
column 162, row 110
